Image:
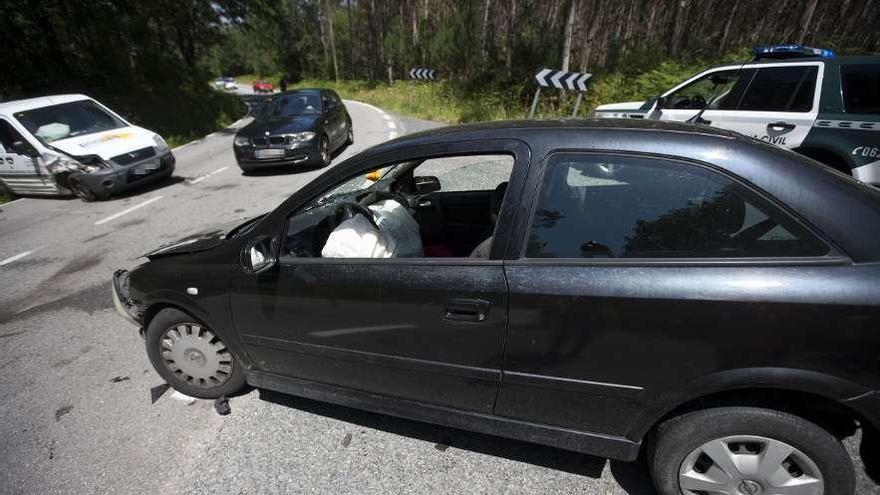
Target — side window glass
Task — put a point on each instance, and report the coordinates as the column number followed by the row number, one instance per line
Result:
column 781, row 89
column 860, row 83
column 714, row 87
column 633, row 207
column 467, row 173
column 396, row 211
column 8, row 135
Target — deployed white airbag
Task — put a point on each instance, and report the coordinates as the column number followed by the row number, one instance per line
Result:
column 53, row 132
column 394, row 219
column 356, row 237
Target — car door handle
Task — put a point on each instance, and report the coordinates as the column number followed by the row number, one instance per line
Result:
column 779, row 126
column 469, row 310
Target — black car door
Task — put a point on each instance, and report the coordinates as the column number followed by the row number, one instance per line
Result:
column 634, row 275
column 425, row 329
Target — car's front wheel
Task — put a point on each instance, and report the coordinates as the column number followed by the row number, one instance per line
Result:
column 747, row 451
column 191, row 357
column 324, row 150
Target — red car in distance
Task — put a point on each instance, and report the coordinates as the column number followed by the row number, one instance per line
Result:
column 263, row 87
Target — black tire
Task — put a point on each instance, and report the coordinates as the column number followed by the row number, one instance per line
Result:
column 83, row 191
column 676, row 438
column 326, row 156
column 168, row 319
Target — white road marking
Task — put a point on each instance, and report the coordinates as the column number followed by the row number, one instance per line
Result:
column 19, row 200
column 183, row 397
column 128, row 210
column 199, row 179
column 390, row 120
column 15, row 258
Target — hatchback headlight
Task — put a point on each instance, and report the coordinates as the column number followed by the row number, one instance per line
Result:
column 161, row 145
column 300, row 137
column 242, row 141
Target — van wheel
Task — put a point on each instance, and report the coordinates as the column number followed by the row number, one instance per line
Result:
column 747, row 450
column 83, row 191
column 191, row 357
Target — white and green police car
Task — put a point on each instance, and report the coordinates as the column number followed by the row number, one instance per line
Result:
column 801, row 98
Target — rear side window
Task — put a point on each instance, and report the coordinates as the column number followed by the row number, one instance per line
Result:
column 593, row 206
column 861, row 88
column 781, row 89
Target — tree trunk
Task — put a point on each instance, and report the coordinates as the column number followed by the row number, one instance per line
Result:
column 569, row 28
column 805, row 20
column 681, row 7
column 329, row 15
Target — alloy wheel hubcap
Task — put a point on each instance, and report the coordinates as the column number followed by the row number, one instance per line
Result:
column 325, row 151
column 749, row 465
column 196, row 356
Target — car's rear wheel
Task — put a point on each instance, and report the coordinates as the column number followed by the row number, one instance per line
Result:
column 747, row 451
column 191, row 357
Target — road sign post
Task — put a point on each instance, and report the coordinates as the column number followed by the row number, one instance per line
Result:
column 573, row 81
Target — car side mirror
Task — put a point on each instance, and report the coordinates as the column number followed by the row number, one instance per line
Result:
column 258, row 254
column 426, row 184
column 23, row 148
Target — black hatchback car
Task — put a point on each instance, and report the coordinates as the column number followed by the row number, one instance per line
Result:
column 602, row 286
column 303, row 127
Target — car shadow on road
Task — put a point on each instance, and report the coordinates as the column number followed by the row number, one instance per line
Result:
column 632, row 477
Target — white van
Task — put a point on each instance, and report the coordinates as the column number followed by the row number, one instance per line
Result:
column 58, row 145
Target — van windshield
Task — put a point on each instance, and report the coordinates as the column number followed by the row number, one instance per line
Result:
column 68, row 120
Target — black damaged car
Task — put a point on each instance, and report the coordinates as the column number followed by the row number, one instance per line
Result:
column 609, row 287
column 305, row 127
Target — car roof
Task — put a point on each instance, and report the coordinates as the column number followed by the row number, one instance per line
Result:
column 10, row 107
column 519, row 126
column 842, row 60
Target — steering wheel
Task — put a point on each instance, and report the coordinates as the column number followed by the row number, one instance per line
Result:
column 396, row 196
column 697, row 102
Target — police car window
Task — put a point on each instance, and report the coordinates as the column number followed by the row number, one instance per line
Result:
column 714, row 87
column 860, row 83
column 781, row 89
column 632, row 207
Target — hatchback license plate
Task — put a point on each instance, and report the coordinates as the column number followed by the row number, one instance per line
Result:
column 146, row 168
column 269, row 153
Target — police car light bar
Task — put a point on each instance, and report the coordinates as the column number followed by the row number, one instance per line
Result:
column 791, row 51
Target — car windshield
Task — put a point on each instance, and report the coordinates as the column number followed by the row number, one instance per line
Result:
column 292, row 104
column 68, row 120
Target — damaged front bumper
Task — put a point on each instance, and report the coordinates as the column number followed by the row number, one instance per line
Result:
column 125, row 306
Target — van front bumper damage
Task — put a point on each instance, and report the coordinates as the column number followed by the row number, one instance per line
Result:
column 128, row 308
column 119, row 178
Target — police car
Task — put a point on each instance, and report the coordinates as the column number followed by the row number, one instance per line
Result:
column 797, row 97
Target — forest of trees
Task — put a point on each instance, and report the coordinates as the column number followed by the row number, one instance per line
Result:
column 145, row 57
column 497, row 41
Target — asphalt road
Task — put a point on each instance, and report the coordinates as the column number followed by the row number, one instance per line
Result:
column 76, row 410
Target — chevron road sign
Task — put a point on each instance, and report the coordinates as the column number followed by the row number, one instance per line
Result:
column 558, row 79
column 422, row 74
